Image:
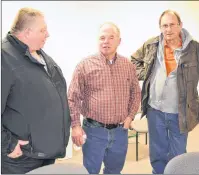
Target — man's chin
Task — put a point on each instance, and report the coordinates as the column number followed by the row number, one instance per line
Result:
column 105, row 53
column 169, row 37
column 41, row 47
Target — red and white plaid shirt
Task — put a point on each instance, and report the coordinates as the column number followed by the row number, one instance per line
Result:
column 105, row 92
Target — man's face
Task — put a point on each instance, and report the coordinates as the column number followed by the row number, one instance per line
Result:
column 37, row 33
column 170, row 27
column 109, row 40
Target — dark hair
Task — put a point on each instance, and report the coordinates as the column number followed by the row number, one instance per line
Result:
column 170, row 11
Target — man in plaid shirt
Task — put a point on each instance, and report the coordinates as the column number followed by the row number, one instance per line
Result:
column 105, row 90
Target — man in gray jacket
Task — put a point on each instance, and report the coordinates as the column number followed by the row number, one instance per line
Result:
column 169, row 66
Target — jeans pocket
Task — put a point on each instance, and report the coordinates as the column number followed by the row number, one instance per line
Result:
column 124, row 129
column 86, row 124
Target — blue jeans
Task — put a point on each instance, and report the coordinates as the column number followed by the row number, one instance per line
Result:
column 104, row 145
column 165, row 139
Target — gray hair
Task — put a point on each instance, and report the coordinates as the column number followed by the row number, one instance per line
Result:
column 114, row 25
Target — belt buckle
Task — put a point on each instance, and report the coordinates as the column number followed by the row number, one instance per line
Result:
column 108, row 126
column 111, row 126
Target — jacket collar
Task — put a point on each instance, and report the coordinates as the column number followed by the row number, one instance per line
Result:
column 22, row 47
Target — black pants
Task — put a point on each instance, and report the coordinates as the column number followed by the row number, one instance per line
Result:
column 22, row 165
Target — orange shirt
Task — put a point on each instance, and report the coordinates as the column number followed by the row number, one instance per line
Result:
column 169, row 59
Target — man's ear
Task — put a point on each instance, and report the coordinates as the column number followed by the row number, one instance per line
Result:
column 119, row 41
column 26, row 32
column 181, row 24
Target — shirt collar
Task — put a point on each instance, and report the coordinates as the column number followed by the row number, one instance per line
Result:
column 107, row 61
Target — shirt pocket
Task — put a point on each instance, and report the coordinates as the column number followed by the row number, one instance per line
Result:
column 95, row 80
column 191, row 71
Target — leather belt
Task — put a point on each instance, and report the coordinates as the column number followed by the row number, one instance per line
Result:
column 107, row 126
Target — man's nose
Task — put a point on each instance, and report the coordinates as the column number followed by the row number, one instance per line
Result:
column 106, row 40
column 47, row 34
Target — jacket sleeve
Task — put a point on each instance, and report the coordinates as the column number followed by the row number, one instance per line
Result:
column 197, row 49
column 8, row 141
column 135, row 95
column 137, row 59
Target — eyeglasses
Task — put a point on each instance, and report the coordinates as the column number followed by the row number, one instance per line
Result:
column 165, row 26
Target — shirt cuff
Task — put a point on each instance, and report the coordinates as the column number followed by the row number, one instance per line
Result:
column 75, row 123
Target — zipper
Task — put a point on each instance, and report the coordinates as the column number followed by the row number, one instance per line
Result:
column 30, row 139
column 50, row 78
column 31, row 146
column 60, row 75
column 185, row 90
column 62, row 109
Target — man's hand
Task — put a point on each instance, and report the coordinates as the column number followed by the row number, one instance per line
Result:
column 127, row 122
column 77, row 135
column 17, row 151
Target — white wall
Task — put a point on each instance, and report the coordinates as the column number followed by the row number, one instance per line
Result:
column 73, row 26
